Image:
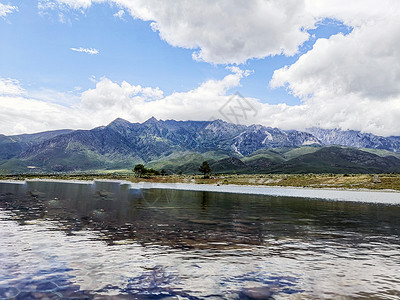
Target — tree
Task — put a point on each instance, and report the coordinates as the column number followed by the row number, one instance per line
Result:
column 152, row 172
column 164, row 172
column 139, row 170
column 205, row 169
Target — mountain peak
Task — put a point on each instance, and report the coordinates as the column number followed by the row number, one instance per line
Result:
column 219, row 121
column 152, row 120
column 119, row 121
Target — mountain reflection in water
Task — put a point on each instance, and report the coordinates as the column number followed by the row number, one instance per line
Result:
column 64, row 239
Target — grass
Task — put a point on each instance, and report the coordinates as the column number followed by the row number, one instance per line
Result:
column 343, row 181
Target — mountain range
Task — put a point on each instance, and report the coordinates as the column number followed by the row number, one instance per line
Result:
column 181, row 146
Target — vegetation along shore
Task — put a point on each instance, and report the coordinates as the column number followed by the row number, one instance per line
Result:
column 342, row 181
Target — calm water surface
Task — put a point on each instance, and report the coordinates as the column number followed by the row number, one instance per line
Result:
column 106, row 239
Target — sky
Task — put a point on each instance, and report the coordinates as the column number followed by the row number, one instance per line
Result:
column 291, row 64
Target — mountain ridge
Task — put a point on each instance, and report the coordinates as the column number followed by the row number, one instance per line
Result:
column 121, row 144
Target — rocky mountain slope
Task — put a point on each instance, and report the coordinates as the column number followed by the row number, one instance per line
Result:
column 355, row 139
column 12, row 146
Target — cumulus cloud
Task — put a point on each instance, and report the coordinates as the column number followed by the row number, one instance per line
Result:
column 365, row 62
column 135, row 103
column 351, row 81
column 91, row 51
column 6, row 9
column 118, row 99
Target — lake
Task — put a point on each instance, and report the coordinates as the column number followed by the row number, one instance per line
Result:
column 101, row 239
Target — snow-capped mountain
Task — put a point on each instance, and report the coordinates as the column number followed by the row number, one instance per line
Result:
column 355, row 139
column 256, row 137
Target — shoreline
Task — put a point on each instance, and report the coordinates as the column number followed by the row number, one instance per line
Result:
column 385, row 182
column 83, row 181
column 391, row 197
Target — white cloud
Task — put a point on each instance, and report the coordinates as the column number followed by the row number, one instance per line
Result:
column 110, row 100
column 90, row 51
column 24, row 115
column 351, row 81
column 10, row 87
column 365, row 62
column 75, row 4
column 353, row 12
column 6, row 9
column 119, row 14
column 108, row 94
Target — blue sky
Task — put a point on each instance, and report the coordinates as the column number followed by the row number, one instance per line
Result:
column 36, row 54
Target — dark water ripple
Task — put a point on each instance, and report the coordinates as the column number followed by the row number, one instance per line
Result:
column 107, row 240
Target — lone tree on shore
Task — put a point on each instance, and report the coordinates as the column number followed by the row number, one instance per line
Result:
column 205, row 169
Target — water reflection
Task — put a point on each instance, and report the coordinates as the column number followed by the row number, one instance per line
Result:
column 106, row 238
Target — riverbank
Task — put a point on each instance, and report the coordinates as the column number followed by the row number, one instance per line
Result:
column 391, row 197
column 315, row 181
